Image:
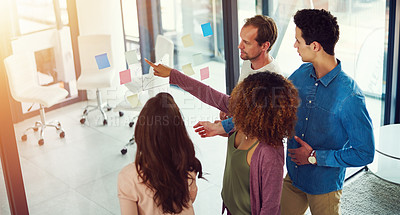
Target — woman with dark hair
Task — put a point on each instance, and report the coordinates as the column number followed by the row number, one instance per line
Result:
column 264, row 108
column 162, row 180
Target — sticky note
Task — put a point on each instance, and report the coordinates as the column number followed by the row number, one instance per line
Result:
column 125, row 76
column 133, row 100
column 204, row 73
column 102, row 61
column 144, row 96
column 131, row 57
column 197, row 59
column 207, row 31
column 187, row 41
column 187, row 69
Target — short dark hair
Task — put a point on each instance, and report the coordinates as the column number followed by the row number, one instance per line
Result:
column 320, row 26
column 266, row 29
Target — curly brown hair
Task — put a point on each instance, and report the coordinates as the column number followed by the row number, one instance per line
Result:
column 264, row 106
column 165, row 154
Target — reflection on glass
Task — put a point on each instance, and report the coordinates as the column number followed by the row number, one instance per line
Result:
column 182, row 18
column 41, row 27
column 35, row 15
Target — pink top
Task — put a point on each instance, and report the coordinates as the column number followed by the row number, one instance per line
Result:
column 131, row 190
column 266, row 167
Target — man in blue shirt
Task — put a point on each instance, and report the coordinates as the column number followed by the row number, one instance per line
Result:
column 333, row 131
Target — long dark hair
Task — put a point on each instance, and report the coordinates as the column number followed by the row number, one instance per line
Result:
column 165, row 154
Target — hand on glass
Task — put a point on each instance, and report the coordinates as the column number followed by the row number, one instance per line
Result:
column 160, row 70
column 301, row 154
column 209, row 129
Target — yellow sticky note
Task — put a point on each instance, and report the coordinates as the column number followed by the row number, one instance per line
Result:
column 133, row 100
column 187, row 69
column 187, row 41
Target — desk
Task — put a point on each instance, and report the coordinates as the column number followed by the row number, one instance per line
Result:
column 386, row 164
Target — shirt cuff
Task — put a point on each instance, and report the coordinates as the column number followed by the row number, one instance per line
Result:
column 322, row 157
column 228, row 125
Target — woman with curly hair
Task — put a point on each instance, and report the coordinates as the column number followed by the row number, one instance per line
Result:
column 264, row 108
column 162, row 180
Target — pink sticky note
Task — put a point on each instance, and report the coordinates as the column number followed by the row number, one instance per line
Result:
column 204, row 73
column 125, row 76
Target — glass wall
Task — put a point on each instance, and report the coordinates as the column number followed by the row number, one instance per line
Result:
column 361, row 47
column 130, row 22
column 77, row 174
column 182, row 20
column 194, row 27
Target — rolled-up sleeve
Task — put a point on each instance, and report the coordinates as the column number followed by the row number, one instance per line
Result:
column 228, row 125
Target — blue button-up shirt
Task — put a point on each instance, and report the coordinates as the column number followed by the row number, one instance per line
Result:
column 333, row 120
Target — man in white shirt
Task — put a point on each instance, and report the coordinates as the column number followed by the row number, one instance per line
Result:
column 258, row 34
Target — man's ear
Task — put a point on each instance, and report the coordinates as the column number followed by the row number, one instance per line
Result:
column 265, row 46
column 316, row 46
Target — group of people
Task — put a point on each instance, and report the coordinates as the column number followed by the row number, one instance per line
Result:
column 319, row 110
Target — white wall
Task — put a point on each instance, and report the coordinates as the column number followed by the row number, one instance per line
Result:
column 104, row 17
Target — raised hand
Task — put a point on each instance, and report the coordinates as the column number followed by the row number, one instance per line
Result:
column 209, row 129
column 160, row 70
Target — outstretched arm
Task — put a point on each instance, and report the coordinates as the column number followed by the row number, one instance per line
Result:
column 209, row 129
column 201, row 91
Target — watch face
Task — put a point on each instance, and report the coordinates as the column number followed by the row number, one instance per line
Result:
column 312, row 159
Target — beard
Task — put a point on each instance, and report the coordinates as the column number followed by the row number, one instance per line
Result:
column 247, row 57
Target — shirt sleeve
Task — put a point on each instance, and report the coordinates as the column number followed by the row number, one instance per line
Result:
column 127, row 193
column 126, row 186
column 228, row 125
column 201, row 91
column 360, row 148
column 192, row 186
column 271, row 185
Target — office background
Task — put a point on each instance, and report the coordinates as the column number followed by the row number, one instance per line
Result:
column 368, row 48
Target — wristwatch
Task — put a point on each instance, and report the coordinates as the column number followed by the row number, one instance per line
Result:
column 312, row 159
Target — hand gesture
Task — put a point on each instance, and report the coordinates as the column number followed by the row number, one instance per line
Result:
column 160, row 69
column 300, row 155
column 223, row 115
column 209, row 129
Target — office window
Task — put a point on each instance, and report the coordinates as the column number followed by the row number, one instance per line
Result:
column 131, row 28
column 195, row 28
column 361, row 47
column 35, row 15
column 185, row 18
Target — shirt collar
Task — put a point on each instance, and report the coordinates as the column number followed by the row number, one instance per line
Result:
column 328, row 78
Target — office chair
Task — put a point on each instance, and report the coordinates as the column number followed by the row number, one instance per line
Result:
column 24, row 87
column 91, row 76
